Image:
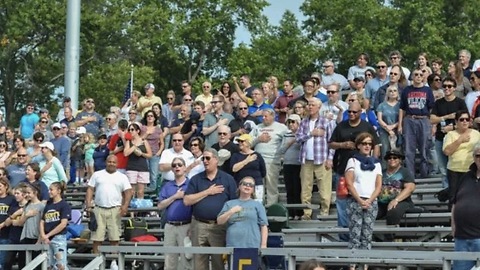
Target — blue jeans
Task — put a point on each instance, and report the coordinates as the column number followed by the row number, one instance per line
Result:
column 469, row 245
column 3, row 254
column 416, row 133
column 442, row 162
column 342, row 217
column 153, row 168
column 57, row 252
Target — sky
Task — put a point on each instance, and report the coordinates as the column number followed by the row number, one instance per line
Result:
column 274, row 13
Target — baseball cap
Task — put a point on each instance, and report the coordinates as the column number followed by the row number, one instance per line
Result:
column 149, row 85
column 81, row 130
column 67, row 99
column 245, row 137
column 359, row 78
column 294, row 117
column 56, row 125
column 48, row 145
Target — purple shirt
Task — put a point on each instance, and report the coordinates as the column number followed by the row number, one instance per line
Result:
column 176, row 211
column 321, row 152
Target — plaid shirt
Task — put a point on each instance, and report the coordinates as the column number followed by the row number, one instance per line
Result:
column 321, row 152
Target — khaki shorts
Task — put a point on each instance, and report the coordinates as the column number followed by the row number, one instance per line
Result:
column 135, row 177
column 108, row 221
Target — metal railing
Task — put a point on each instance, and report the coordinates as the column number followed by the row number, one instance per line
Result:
column 30, row 263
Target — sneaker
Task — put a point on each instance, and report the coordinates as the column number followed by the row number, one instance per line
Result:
column 306, row 217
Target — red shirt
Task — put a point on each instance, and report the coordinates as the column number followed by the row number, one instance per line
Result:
column 282, row 102
column 121, row 158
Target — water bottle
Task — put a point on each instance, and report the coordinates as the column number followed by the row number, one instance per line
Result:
column 113, row 265
column 442, row 125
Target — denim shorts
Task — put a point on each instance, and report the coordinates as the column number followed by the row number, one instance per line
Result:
column 57, row 251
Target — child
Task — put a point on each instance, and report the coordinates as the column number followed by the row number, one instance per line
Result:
column 89, row 149
column 53, row 227
column 15, row 212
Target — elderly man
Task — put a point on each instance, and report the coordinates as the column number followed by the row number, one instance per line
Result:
column 178, row 215
column 165, row 163
column 329, row 76
column 90, row 119
column 464, row 57
column 112, row 125
column 112, row 197
column 316, row 157
column 267, row 139
column 335, row 106
column 146, row 102
column 207, row 192
column 215, row 119
column 224, row 142
column 206, row 96
column 62, row 146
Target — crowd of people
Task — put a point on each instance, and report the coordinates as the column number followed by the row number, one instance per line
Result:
column 215, row 157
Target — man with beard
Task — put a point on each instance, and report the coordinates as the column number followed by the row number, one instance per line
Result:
column 112, row 197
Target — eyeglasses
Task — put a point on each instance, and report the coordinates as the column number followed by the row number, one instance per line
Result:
column 417, row 74
column 39, row 140
column 187, row 99
column 463, row 119
column 207, row 158
column 131, row 129
column 3, row 145
column 439, row 80
column 393, row 74
column 248, row 185
column 21, row 155
column 331, row 92
column 170, row 98
column 352, row 100
column 175, row 165
column 194, row 144
column 222, row 133
column 214, row 102
column 448, row 86
column 290, row 122
column 177, row 140
column 366, row 143
column 43, row 122
column 327, row 66
column 352, row 112
column 393, row 91
column 29, row 108
column 206, row 86
column 393, row 57
column 379, row 67
column 91, row 101
column 243, row 108
column 150, row 115
column 132, row 113
column 108, row 118
column 392, row 157
column 55, row 128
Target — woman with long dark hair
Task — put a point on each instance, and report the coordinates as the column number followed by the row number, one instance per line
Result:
column 152, row 133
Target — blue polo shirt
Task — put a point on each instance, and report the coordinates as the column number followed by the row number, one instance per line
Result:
column 209, row 207
column 417, row 101
column 177, row 210
column 254, row 108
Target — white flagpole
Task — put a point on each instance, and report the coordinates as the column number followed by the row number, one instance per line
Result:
column 131, row 82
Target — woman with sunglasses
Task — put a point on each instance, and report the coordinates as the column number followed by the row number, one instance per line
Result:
column 51, row 167
column 34, row 150
column 153, row 135
column 458, row 146
column 369, row 74
column 363, row 175
column 248, row 163
column 138, row 152
column 4, row 153
column 246, row 218
column 18, row 143
column 44, row 128
column 398, row 185
column 197, row 145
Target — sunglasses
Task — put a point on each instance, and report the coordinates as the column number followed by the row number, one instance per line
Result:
column 392, row 157
column 381, row 67
column 132, row 113
column 39, row 140
column 366, row 143
column 418, row 74
column 206, row 158
column 352, row 112
column 175, row 165
column 327, row 66
column 394, row 57
column 150, row 115
column 248, row 185
column 177, row 140
column 290, row 122
column 351, row 100
column 55, row 129
column 194, row 144
column 393, row 74
column 392, row 91
column 240, row 141
column 448, row 86
column 3, row 145
column 108, row 118
column 463, row 119
column 170, row 98
column 21, row 155
column 331, row 92
column 477, row 156
column 187, row 99
column 43, row 122
column 222, row 133
column 438, row 80
column 243, row 108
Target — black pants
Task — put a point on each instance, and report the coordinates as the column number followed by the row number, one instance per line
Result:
column 9, row 262
column 453, row 180
column 394, row 216
column 291, row 174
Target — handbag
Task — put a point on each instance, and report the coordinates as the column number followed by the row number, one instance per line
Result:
column 135, row 227
column 443, row 195
column 342, row 190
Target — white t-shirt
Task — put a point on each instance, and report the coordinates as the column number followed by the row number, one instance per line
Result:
column 364, row 181
column 167, row 157
column 109, row 188
column 309, row 144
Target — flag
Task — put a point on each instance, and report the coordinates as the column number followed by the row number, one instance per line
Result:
column 127, row 93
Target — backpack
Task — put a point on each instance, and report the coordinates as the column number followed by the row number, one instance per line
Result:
column 135, row 227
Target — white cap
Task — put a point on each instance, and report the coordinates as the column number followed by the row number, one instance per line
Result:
column 48, row 145
column 57, row 125
column 81, row 130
